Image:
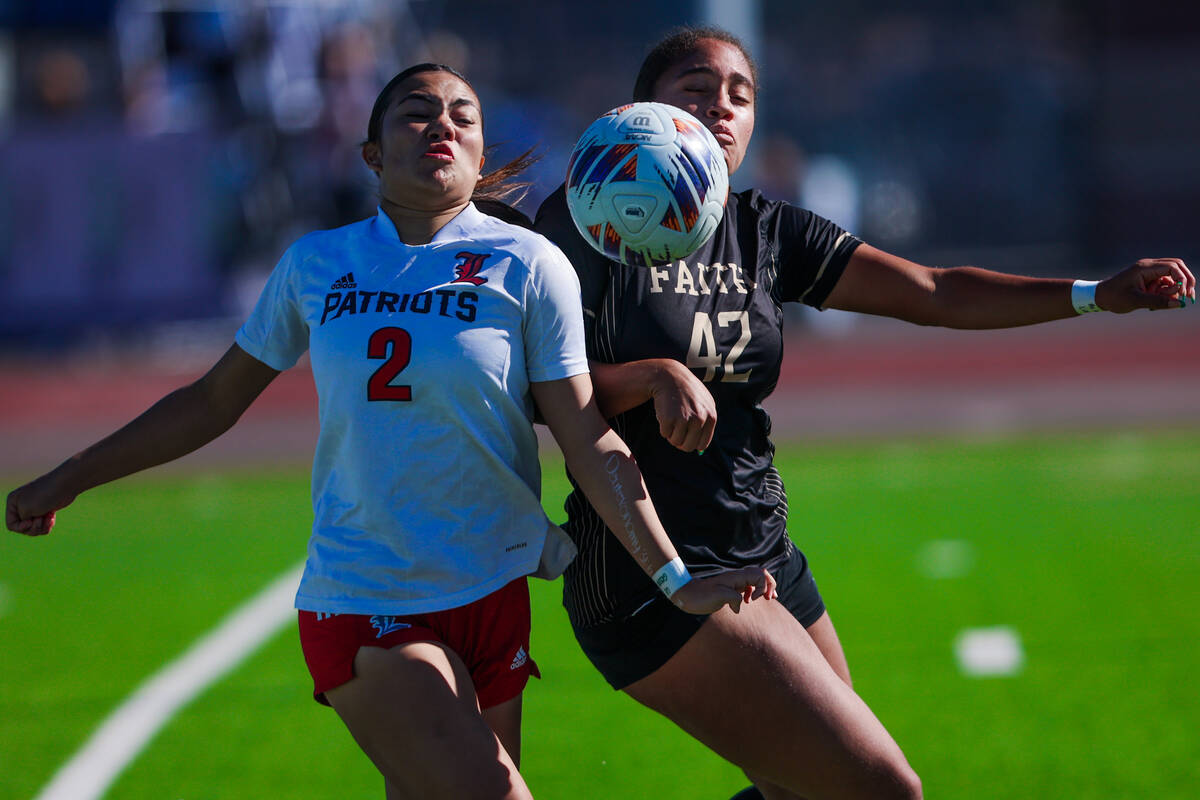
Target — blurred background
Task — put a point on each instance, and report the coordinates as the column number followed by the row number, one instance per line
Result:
column 157, row 156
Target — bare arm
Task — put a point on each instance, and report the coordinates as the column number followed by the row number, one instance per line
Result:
column 609, row 476
column 687, row 414
column 876, row 282
column 183, row 421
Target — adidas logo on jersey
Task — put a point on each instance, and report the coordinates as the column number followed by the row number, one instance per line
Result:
column 344, row 282
column 520, row 659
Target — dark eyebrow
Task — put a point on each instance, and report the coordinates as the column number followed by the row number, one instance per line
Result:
column 737, row 79
column 425, row 97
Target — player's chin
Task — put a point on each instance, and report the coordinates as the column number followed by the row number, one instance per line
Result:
column 733, row 157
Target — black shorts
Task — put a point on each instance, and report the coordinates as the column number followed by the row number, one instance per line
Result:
column 629, row 649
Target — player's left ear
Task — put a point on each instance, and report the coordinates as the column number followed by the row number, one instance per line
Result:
column 372, row 157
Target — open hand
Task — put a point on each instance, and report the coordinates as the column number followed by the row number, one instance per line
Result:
column 708, row 595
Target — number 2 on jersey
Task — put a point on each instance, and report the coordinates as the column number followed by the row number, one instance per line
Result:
column 379, row 386
column 702, row 352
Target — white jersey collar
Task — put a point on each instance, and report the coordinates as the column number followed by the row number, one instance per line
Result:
column 457, row 228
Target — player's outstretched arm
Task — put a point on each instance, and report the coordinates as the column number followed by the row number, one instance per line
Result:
column 181, row 422
column 877, row 282
column 609, row 476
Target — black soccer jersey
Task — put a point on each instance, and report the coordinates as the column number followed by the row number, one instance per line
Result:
column 719, row 312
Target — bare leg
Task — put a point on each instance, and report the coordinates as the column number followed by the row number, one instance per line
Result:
column 505, row 722
column 825, row 637
column 827, row 641
column 756, row 688
column 413, row 711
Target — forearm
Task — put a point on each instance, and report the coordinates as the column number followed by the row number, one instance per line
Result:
column 975, row 298
column 609, row 476
column 620, row 387
column 183, row 421
column 879, row 283
column 613, row 484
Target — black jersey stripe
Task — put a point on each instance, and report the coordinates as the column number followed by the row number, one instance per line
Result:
column 773, row 487
column 593, row 599
column 588, row 597
column 588, row 601
column 824, row 264
column 769, row 277
column 606, row 325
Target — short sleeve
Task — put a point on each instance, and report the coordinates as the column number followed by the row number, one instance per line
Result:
column 553, row 331
column 276, row 332
column 812, row 254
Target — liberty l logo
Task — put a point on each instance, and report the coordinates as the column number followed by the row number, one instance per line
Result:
column 467, row 270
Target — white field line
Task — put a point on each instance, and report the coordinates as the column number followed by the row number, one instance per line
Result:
column 119, row 739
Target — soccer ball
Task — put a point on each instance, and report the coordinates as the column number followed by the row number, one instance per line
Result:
column 646, row 184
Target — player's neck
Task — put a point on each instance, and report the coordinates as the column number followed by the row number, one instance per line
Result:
column 418, row 226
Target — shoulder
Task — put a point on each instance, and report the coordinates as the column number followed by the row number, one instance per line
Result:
column 781, row 224
column 503, row 211
column 517, row 239
column 321, row 241
column 753, row 204
column 554, row 221
column 553, row 218
column 523, row 245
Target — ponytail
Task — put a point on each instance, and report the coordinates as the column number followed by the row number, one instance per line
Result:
column 503, row 184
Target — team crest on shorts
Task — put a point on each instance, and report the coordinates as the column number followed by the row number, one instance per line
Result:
column 386, row 625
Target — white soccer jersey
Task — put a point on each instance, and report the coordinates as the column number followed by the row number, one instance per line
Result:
column 426, row 485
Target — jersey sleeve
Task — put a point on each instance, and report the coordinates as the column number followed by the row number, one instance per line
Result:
column 554, row 222
column 553, row 328
column 812, row 254
column 275, row 332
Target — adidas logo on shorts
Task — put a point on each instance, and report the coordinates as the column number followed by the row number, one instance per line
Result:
column 344, row 282
column 520, row 659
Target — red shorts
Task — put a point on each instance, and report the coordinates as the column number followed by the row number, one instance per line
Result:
column 491, row 636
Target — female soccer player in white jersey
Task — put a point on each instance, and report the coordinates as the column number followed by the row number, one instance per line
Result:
column 433, row 329
column 702, row 440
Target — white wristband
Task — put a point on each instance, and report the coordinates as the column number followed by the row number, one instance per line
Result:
column 672, row 576
column 1083, row 296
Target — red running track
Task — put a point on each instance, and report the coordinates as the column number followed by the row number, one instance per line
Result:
column 878, row 378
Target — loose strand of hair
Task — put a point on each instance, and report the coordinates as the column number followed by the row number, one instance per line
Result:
column 502, row 185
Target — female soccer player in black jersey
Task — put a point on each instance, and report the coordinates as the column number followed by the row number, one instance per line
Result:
column 682, row 357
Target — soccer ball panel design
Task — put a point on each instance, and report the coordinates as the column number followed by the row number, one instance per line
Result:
column 646, row 184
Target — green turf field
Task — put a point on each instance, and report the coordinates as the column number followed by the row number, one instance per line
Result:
column 1085, row 547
